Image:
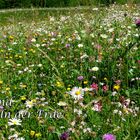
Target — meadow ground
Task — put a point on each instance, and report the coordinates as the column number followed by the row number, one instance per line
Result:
column 70, row 74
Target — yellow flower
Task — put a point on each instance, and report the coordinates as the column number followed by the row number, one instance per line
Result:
column 43, row 41
column 7, row 89
column 85, row 82
column 116, row 87
column 125, row 110
column 32, row 133
column 38, row 135
column 23, row 86
column 42, row 93
column 62, row 66
column 1, row 82
column 66, row 95
column 16, row 55
column 35, row 34
column 23, row 98
column 105, row 79
column 32, row 50
column 20, row 56
column 49, row 35
column 34, row 100
column 68, row 89
column 11, row 37
column 59, row 84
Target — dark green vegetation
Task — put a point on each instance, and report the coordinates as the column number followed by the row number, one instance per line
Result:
column 58, row 3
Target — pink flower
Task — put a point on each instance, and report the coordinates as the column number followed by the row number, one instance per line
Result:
column 108, row 137
column 124, row 102
column 94, row 86
column 98, row 47
column 97, row 106
column 105, row 88
column 118, row 82
column 137, row 22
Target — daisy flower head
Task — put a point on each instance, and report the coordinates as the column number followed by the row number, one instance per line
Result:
column 80, row 45
column 15, row 136
column 29, row 104
column 94, row 69
column 14, row 121
column 21, row 138
column 61, row 103
column 77, row 93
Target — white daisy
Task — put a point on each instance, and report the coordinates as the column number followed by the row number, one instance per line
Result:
column 77, row 93
column 14, row 121
column 62, row 103
column 80, row 45
column 104, row 36
column 21, row 138
column 15, row 136
column 29, row 104
column 33, row 40
column 94, row 69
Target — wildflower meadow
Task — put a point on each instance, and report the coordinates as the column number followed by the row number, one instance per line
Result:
column 70, row 73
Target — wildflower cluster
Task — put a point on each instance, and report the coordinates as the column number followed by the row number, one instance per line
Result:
column 70, row 75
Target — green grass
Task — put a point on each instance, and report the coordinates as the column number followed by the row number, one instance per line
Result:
column 43, row 52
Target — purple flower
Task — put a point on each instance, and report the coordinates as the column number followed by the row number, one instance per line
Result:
column 64, row 136
column 67, row 45
column 1, row 108
column 80, row 78
column 137, row 22
column 108, row 137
